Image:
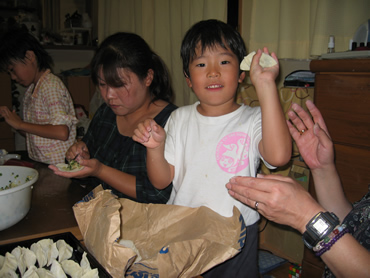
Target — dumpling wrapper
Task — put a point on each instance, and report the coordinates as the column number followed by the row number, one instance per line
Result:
column 63, row 167
column 72, row 268
column 57, row 270
column 266, row 61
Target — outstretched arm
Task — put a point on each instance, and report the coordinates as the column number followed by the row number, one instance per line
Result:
column 276, row 144
column 316, row 148
column 346, row 258
column 153, row 136
column 58, row 132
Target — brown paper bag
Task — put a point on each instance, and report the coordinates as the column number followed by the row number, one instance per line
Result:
column 173, row 241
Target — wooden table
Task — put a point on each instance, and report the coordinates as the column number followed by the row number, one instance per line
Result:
column 51, row 207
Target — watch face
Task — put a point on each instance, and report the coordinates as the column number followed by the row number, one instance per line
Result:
column 320, row 226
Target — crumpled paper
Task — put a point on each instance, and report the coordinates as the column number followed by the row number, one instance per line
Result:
column 173, row 241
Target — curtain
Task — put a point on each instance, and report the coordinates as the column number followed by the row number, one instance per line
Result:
column 50, row 15
column 162, row 23
column 300, row 29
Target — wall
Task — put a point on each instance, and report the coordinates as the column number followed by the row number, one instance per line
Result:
column 66, row 59
column 289, row 65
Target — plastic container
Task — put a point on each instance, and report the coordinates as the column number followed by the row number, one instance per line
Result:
column 331, row 45
column 15, row 202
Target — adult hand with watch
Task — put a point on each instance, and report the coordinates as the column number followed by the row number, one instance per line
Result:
column 285, row 201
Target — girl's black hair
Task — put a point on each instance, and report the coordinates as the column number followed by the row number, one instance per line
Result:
column 14, row 45
column 129, row 51
column 210, row 33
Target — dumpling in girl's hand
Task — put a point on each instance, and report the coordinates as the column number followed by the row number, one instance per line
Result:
column 64, row 249
column 57, row 270
column 72, row 268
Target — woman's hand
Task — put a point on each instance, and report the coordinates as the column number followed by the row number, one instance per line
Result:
column 92, row 168
column 311, row 136
column 280, row 199
column 78, row 149
column 150, row 134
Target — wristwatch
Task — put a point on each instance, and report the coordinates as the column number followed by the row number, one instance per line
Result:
column 320, row 226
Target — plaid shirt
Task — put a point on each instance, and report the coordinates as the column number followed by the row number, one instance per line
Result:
column 49, row 102
column 106, row 144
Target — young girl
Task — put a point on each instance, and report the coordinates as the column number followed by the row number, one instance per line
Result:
column 215, row 139
column 49, row 120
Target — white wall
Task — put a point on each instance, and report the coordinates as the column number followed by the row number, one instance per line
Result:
column 66, row 59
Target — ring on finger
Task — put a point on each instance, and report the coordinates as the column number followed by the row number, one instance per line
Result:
column 302, row 131
column 256, row 205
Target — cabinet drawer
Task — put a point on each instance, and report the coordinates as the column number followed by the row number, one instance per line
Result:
column 344, row 101
column 353, row 166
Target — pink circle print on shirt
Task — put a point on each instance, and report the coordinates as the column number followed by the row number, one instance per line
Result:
column 232, row 152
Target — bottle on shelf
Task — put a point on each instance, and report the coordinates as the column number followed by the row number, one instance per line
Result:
column 331, row 45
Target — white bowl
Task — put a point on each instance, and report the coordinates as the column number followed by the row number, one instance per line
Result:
column 15, row 202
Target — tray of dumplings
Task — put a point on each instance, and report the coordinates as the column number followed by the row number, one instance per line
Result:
column 60, row 255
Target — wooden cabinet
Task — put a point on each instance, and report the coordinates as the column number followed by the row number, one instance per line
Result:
column 6, row 133
column 81, row 89
column 342, row 93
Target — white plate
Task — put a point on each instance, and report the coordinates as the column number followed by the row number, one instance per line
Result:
column 63, row 167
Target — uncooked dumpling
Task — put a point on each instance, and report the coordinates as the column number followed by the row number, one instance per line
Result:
column 2, row 259
column 72, row 268
column 41, row 257
column 31, row 273
column 10, row 266
column 57, row 270
column 64, row 249
column 29, row 257
column 18, row 254
column 265, row 61
column 85, row 264
column 93, row 273
column 44, row 273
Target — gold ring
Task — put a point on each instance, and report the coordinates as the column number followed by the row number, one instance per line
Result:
column 256, row 205
column 302, row 131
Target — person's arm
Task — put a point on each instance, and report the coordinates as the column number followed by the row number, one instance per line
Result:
column 58, row 132
column 119, row 180
column 276, row 144
column 283, row 200
column 316, row 148
column 153, row 136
